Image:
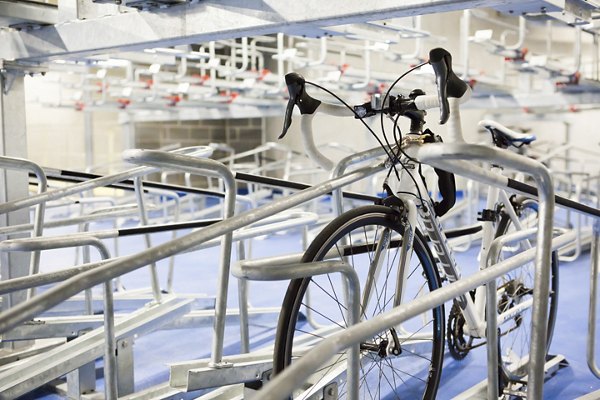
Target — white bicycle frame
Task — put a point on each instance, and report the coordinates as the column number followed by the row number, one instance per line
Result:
column 473, row 310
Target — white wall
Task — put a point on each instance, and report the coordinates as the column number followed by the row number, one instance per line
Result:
column 56, row 135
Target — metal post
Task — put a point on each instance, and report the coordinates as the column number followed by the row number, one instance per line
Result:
column 88, row 129
column 491, row 334
column 595, row 268
column 139, row 196
column 243, row 304
column 110, row 348
column 13, row 184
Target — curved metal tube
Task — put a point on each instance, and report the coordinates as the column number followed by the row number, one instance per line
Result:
column 38, row 222
column 93, row 183
column 268, row 270
column 521, row 39
column 341, row 167
column 209, row 168
column 110, row 344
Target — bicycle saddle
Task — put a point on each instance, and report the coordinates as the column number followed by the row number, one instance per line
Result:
column 504, row 137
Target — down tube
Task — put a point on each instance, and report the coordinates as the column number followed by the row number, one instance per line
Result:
column 447, row 264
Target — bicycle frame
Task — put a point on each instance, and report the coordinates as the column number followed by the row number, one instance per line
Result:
column 421, row 210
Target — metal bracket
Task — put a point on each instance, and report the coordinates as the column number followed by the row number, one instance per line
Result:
column 487, row 215
column 9, row 70
column 580, row 9
column 7, row 78
column 149, row 4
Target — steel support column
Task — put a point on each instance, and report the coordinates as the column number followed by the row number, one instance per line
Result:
column 13, row 184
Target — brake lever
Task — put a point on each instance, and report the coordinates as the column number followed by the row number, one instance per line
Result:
column 297, row 90
column 448, row 83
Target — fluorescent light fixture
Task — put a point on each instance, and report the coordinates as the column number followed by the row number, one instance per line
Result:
column 183, row 87
column 126, row 92
column 154, row 68
column 483, row 35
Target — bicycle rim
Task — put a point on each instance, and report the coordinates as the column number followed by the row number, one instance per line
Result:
column 315, row 308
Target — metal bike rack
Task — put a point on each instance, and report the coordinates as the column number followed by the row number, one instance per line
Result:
column 277, row 269
column 110, row 346
column 489, row 388
column 101, row 273
column 214, row 169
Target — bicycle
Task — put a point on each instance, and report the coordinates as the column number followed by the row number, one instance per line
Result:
column 406, row 361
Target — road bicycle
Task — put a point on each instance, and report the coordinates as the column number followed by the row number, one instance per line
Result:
column 400, row 252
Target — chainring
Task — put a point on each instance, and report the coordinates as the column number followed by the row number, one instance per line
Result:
column 459, row 344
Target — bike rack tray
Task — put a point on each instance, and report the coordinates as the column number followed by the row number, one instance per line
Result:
column 52, row 364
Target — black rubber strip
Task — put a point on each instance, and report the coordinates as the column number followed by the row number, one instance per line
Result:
column 454, row 233
column 294, row 185
column 166, row 227
column 563, row 201
column 74, row 176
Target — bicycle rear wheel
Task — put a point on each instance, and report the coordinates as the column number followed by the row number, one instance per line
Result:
column 515, row 293
column 404, row 361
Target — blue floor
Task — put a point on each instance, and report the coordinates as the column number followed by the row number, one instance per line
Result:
column 196, row 273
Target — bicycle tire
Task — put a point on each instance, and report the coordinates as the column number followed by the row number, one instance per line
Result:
column 514, row 345
column 364, row 221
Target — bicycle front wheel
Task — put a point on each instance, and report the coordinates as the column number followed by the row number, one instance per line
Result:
column 403, row 362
